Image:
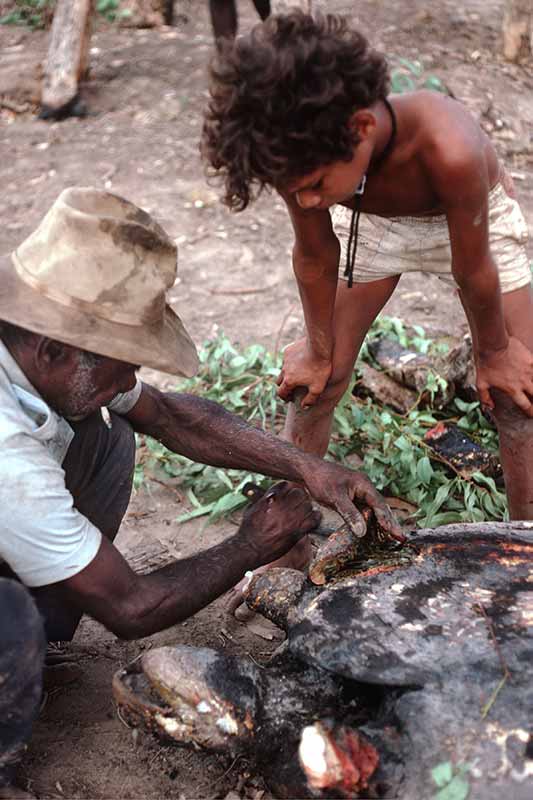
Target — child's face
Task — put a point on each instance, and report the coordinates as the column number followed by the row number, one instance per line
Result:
column 332, row 183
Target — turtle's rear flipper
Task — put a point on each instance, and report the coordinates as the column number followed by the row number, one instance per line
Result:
column 194, row 696
column 339, row 550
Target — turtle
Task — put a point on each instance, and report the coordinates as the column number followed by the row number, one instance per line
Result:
column 404, row 677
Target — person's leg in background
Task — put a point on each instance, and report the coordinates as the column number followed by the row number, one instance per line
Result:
column 263, row 8
column 223, row 19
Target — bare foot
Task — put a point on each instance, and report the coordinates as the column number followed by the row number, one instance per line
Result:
column 297, row 558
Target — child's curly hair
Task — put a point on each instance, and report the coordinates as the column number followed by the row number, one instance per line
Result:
column 281, row 100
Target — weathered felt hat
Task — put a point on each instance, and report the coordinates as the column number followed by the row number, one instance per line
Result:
column 94, row 275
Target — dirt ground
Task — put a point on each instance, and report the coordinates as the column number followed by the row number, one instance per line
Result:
column 146, row 93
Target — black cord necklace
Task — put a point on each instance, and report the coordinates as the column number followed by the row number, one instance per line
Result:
column 351, row 250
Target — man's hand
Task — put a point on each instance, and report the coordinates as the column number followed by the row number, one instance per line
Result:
column 511, row 371
column 340, row 488
column 273, row 524
column 302, row 368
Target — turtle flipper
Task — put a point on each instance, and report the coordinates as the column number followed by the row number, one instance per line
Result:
column 275, row 592
column 194, row 696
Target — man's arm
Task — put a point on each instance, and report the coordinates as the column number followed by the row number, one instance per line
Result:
column 502, row 362
column 316, row 254
column 204, row 431
column 132, row 606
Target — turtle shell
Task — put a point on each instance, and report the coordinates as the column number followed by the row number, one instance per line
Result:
column 449, row 637
column 410, row 624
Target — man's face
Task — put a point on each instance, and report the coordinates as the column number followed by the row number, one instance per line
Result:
column 90, row 383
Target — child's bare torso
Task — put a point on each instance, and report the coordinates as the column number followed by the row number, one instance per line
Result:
column 431, row 128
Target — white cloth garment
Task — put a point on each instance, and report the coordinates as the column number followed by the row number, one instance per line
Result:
column 43, row 538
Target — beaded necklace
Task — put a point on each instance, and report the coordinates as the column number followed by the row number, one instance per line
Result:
column 351, row 250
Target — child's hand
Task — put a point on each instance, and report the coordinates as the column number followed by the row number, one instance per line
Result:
column 511, row 371
column 302, row 368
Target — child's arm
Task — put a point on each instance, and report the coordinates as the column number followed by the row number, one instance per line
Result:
column 315, row 260
column 502, row 362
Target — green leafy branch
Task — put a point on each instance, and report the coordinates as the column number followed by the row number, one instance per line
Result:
column 37, row 14
column 395, row 456
column 409, row 76
column 451, row 781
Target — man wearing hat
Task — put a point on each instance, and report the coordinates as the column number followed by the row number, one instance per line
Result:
column 82, row 305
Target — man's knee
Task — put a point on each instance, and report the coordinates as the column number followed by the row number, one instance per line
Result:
column 21, row 664
column 20, row 621
column 99, row 470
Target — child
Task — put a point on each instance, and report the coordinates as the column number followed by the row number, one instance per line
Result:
column 375, row 186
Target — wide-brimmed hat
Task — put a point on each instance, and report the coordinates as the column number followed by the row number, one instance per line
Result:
column 94, row 275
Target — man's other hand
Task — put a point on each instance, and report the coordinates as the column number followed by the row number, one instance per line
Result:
column 273, row 524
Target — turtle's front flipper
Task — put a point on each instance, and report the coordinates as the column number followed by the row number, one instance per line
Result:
column 275, row 593
column 194, row 696
column 339, row 550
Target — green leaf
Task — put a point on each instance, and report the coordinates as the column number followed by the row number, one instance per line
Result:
column 484, row 480
column 222, row 476
column 394, row 456
column 424, row 469
column 227, row 503
column 400, row 82
column 435, row 84
column 442, row 773
column 402, row 443
column 193, row 500
column 445, row 518
column 457, row 789
column 414, row 67
column 198, row 512
column 464, row 406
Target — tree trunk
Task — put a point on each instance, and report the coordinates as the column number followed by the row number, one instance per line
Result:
column 518, row 30
column 68, row 56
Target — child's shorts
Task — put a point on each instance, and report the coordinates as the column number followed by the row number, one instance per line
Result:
column 394, row 245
